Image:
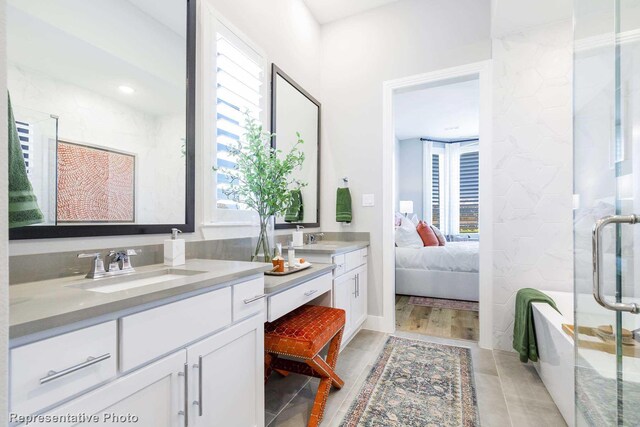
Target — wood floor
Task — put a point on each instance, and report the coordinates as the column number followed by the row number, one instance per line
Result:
column 437, row 322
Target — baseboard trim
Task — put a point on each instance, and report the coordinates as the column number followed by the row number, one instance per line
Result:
column 376, row 323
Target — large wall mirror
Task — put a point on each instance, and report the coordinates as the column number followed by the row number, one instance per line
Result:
column 103, row 96
column 293, row 110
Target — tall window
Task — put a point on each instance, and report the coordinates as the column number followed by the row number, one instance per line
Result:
column 469, row 192
column 239, row 75
column 454, row 187
column 435, row 190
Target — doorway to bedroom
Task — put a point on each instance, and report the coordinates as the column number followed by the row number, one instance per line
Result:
column 437, row 156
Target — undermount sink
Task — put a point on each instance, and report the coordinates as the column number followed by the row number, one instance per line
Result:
column 136, row 280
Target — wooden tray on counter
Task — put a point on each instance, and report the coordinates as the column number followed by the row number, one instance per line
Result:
column 289, row 270
column 588, row 339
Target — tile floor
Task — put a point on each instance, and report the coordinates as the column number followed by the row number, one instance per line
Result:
column 509, row 393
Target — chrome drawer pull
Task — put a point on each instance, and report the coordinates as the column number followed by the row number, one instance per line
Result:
column 309, row 293
column 256, row 298
column 54, row 375
column 200, row 401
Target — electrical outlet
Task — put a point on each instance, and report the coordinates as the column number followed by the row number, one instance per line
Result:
column 368, row 200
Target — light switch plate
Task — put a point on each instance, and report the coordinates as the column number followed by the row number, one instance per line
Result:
column 368, row 200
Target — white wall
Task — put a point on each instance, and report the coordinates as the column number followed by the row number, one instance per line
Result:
column 532, row 162
column 359, row 53
column 411, row 174
column 4, row 235
column 290, row 37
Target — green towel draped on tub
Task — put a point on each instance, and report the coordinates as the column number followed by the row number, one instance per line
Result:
column 295, row 212
column 23, row 204
column 343, row 205
column 524, row 333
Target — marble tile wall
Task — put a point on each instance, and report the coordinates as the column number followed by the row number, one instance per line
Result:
column 532, row 166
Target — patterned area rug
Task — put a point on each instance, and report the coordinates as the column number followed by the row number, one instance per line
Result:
column 417, row 383
column 445, row 303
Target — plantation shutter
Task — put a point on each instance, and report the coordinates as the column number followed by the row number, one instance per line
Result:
column 238, row 90
column 469, row 192
column 24, row 134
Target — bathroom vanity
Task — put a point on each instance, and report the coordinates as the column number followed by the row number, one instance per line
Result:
column 349, row 280
column 186, row 351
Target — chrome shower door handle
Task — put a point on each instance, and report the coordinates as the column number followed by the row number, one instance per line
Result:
column 596, row 243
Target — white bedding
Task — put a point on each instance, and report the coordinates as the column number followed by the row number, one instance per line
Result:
column 454, row 256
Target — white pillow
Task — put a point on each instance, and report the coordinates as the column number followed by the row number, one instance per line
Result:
column 407, row 236
column 415, row 220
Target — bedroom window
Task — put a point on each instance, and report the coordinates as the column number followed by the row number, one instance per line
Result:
column 454, row 198
column 435, row 190
column 469, row 192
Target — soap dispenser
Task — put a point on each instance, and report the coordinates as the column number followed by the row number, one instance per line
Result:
column 174, row 252
column 298, row 236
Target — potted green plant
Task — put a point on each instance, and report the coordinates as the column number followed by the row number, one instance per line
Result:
column 262, row 178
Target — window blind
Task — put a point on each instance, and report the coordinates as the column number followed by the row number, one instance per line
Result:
column 469, row 192
column 24, row 134
column 238, row 90
column 435, row 190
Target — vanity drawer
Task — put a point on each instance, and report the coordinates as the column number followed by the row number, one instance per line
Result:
column 147, row 335
column 248, row 298
column 341, row 268
column 355, row 259
column 289, row 300
column 51, row 370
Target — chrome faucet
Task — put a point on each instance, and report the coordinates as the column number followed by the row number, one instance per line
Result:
column 313, row 238
column 119, row 262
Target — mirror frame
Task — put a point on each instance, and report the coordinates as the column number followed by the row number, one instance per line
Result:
column 60, row 231
column 275, row 72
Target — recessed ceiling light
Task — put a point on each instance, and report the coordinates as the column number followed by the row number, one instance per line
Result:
column 127, row 90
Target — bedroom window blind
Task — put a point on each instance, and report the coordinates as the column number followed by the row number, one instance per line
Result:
column 435, row 190
column 238, row 90
column 469, row 192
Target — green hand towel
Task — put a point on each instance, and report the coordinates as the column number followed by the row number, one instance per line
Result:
column 343, row 205
column 295, row 212
column 524, row 334
column 23, row 204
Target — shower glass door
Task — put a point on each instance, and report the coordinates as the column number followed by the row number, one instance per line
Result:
column 607, row 200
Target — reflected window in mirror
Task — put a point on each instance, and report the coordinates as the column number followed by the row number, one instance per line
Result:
column 239, row 86
column 103, row 113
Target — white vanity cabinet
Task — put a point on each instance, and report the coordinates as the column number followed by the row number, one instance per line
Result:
column 227, row 379
column 152, row 396
column 196, row 361
column 349, row 285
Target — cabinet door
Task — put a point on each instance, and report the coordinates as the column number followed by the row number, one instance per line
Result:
column 227, row 377
column 344, row 290
column 153, row 396
column 359, row 300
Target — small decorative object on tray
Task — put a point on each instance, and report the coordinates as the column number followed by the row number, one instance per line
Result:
column 601, row 338
column 300, row 265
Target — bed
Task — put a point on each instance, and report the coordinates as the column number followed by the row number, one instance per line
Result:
column 449, row 271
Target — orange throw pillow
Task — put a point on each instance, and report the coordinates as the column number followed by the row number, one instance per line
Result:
column 427, row 235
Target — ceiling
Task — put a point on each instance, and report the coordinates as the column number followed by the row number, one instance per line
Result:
column 449, row 111
column 513, row 15
column 326, row 11
column 89, row 44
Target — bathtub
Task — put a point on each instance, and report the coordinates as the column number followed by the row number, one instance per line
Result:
column 555, row 348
